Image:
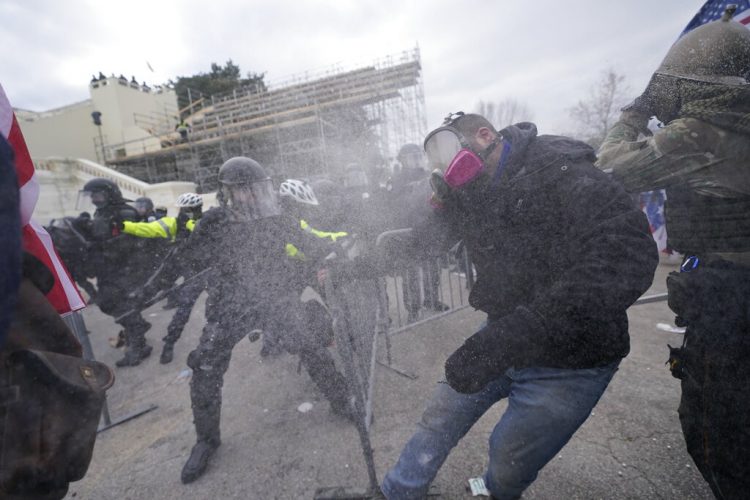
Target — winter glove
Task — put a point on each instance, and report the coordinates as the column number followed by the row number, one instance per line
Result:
column 517, row 340
column 441, row 191
column 476, row 363
column 182, row 230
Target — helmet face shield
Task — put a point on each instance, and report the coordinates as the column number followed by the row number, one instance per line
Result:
column 256, row 200
column 448, row 152
column 143, row 207
column 91, row 200
column 413, row 159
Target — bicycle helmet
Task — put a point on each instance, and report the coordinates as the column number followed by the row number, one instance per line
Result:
column 189, row 200
column 298, row 190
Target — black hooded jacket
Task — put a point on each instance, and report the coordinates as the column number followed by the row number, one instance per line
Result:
column 561, row 252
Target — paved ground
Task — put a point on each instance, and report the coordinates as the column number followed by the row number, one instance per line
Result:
column 630, row 447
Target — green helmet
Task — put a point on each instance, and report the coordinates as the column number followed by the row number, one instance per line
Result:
column 717, row 52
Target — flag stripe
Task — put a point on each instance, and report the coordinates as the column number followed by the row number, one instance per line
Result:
column 64, row 295
column 28, row 196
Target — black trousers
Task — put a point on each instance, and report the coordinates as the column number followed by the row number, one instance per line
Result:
column 210, row 360
column 714, row 301
column 112, row 299
column 185, row 298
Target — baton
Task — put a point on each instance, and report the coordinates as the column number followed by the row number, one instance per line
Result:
column 159, row 296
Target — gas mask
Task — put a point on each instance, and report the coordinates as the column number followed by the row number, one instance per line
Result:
column 449, row 152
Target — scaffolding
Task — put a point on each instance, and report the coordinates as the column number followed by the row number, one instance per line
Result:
column 309, row 125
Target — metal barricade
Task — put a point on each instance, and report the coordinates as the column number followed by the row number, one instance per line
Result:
column 363, row 310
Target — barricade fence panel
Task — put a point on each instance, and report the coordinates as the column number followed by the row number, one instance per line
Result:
column 363, row 310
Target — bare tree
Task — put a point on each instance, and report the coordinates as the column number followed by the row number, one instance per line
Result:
column 596, row 114
column 505, row 112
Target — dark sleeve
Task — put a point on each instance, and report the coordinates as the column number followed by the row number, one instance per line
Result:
column 614, row 256
column 201, row 248
column 10, row 243
column 193, row 255
column 611, row 262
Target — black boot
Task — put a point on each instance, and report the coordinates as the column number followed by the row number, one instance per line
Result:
column 206, row 420
column 198, row 461
column 134, row 355
column 167, row 353
column 136, row 349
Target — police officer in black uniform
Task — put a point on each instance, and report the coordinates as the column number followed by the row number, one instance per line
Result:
column 260, row 261
column 117, row 265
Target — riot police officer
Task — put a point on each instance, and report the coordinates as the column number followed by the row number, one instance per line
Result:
column 701, row 157
column 117, row 265
column 260, row 260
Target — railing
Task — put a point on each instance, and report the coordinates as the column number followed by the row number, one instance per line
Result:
column 84, row 170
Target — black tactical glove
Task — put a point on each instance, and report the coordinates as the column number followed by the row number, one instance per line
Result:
column 516, row 340
column 116, row 224
column 476, row 363
column 441, row 191
column 182, row 230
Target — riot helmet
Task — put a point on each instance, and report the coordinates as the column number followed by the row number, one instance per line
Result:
column 144, row 206
column 100, row 193
column 159, row 212
column 411, row 156
column 246, row 189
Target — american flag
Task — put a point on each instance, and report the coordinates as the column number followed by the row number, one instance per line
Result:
column 64, row 295
column 713, row 10
column 652, row 202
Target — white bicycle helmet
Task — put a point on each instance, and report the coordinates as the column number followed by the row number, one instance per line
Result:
column 298, row 190
column 189, row 200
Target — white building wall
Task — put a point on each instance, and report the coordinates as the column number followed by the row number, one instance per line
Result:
column 67, row 131
column 132, row 121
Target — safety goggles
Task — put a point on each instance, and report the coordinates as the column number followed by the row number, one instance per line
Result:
column 449, row 152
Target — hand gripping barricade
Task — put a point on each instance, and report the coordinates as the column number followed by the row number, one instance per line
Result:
column 359, row 322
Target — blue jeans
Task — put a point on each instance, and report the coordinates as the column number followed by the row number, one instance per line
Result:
column 545, row 407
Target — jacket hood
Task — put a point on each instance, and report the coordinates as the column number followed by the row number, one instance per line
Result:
column 530, row 153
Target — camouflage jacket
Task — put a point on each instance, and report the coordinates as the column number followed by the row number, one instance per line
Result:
column 706, row 149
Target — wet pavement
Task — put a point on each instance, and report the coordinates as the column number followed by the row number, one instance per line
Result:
column 630, row 447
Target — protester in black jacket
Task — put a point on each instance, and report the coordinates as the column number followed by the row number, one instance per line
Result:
column 561, row 252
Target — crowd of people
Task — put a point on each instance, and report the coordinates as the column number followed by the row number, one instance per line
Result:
column 559, row 247
column 253, row 255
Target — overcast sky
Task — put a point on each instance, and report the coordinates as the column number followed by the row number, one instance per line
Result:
column 545, row 53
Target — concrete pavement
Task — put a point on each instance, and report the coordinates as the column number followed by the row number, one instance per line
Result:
column 630, row 447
